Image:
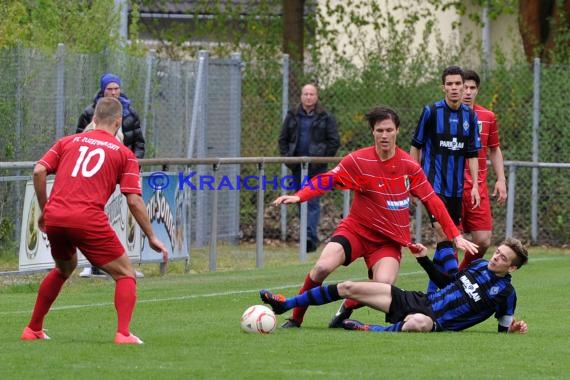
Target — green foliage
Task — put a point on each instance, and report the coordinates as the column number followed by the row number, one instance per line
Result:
column 221, row 27
column 6, row 230
column 386, row 37
column 15, row 22
column 84, row 26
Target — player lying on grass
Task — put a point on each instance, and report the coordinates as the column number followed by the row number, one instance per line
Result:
column 465, row 299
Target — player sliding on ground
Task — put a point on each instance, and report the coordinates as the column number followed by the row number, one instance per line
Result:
column 469, row 297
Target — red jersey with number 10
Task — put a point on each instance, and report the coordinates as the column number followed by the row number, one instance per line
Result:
column 88, row 167
column 382, row 190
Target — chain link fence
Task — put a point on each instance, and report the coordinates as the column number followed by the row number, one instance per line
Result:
column 235, row 108
column 527, row 99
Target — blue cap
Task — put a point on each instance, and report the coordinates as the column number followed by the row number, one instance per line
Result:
column 109, row 78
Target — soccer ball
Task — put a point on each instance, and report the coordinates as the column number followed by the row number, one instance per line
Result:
column 258, row 319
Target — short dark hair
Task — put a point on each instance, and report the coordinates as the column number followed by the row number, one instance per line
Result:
column 517, row 246
column 471, row 75
column 108, row 109
column 451, row 70
column 381, row 113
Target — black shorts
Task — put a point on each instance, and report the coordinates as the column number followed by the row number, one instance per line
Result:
column 454, row 207
column 405, row 303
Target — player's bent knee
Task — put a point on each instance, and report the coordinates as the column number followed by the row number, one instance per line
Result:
column 320, row 272
column 418, row 323
column 345, row 289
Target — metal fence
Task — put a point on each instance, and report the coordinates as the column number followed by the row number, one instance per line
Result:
column 231, row 108
column 266, row 223
column 187, row 109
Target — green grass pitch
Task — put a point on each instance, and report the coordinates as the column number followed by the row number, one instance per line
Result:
column 190, row 325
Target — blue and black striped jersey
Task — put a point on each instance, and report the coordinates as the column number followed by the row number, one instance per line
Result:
column 475, row 295
column 446, row 138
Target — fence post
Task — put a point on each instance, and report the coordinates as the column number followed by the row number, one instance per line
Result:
column 198, row 138
column 303, row 219
column 147, row 87
column 418, row 222
column 284, row 109
column 60, row 91
column 535, row 150
column 511, row 200
column 345, row 203
column 19, row 132
column 259, row 218
column 214, row 224
column 234, row 135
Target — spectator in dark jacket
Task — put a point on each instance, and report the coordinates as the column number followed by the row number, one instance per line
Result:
column 309, row 130
column 110, row 85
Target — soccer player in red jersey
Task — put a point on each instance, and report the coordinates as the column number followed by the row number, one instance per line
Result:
column 382, row 178
column 75, row 219
column 478, row 221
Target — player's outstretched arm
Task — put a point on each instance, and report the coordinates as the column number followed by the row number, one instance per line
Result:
column 138, row 209
column 286, row 199
column 418, row 249
column 465, row 245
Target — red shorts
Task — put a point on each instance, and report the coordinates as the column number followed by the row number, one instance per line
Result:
column 480, row 218
column 356, row 245
column 99, row 246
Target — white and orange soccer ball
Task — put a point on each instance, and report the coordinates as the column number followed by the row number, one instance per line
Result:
column 258, row 319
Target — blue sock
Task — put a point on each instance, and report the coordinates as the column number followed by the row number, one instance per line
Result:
column 316, row 296
column 397, row 327
column 444, row 259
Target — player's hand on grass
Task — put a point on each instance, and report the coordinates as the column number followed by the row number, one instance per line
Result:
column 286, row 199
column 465, row 245
column 158, row 246
column 518, row 326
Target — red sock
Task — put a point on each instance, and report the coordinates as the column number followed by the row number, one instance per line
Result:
column 468, row 259
column 125, row 299
column 299, row 312
column 351, row 304
column 47, row 293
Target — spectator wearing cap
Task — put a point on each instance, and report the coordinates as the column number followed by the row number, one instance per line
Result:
column 110, row 85
column 132, row 136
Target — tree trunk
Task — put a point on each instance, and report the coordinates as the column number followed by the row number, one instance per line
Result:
column 293, row 44
column 559, row 24
column 540, row 21
column 293, row 28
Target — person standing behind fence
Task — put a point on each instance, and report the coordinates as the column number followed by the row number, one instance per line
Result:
column 446, row 138
column 110, row 85
column 74, row 218
column 309, row 130
column 479, row 221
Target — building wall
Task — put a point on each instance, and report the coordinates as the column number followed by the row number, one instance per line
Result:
column 503, row 31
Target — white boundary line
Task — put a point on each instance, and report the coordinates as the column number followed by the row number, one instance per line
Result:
column 219, row 294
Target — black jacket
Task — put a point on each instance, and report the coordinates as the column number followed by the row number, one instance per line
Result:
column 133, row 136
column 324, row 137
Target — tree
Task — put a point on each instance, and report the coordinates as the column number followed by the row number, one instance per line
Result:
column 293, row 42
column 544, row 28
column 293, row 29
column 85, row 26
